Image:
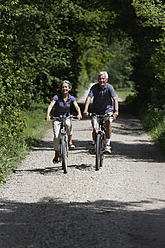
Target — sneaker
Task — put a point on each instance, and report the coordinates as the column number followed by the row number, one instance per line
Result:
column 107, row 149
column 71, row 147
column 55, row 161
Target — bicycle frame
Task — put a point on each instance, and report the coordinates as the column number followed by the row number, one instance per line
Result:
column 63, row 139
column 100, row 139
column 63, row 145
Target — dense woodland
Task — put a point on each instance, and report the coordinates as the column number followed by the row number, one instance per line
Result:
column 45, row 41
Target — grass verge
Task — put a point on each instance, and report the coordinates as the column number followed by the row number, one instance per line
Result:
column 15, row 150
column 123, row 93
column 152, row 118
column 35, row 124
column 154, row 123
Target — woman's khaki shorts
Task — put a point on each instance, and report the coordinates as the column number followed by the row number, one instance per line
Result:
column 56, row 131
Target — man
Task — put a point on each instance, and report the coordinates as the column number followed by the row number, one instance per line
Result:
column 104, row 101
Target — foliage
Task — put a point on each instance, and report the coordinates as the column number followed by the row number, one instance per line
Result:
column 124, row 93
column 11, row 124
column 151, row 18
column 53, row 36
column 14, row 150
column 154, row 123
column 120, row 68
column 35, row 124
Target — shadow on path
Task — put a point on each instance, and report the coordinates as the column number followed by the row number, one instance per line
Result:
column 53, row 223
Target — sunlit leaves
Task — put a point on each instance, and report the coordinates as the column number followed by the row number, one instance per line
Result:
column 150, row 13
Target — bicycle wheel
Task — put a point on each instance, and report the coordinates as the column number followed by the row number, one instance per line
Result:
column 98, row 151
column 64, row 153
column 102, row 151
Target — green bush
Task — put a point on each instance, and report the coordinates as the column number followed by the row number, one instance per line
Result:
column 13, row 148
column 154, row 122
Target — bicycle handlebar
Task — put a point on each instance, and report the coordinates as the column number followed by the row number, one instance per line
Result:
column 101, row 116
column 62, row 117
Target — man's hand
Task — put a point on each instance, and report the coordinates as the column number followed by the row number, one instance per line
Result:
column 115, row 115
column 85, row 113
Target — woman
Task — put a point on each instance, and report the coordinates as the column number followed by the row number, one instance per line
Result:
column 62, row 102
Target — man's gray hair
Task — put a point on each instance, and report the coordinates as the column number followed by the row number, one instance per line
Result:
column 103, row 73
column 67, row 82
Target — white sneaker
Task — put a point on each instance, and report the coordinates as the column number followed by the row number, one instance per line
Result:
column 71, row 147
column 108, row 149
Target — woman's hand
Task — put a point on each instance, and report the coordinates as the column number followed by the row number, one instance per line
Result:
column 48, row 118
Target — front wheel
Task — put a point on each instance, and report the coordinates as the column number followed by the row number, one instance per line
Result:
column 98, row 151
column 64, row 153
column 102, row 150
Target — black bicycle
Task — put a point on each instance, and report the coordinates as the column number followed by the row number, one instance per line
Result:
column 63, row 145
column 100, row 139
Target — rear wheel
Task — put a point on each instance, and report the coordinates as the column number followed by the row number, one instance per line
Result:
column 64, row 153
column 98, row 151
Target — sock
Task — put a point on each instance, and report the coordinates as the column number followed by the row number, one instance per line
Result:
column 108, row 141
column 93, row 142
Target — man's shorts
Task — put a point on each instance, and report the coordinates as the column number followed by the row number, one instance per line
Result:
column 95, row 123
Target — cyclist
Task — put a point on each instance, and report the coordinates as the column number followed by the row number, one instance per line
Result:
column 104, row 101
column 62, row 102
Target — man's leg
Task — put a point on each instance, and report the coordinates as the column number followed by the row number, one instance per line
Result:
column 108, row 129
column 94, row 134
column 108, row 136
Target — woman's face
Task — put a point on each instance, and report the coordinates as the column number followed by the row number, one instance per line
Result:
column 65, row 88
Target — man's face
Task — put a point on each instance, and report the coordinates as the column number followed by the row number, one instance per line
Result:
column 102, row 81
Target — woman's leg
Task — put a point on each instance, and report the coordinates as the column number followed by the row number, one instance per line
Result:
column 68, row 125
column 56, row 131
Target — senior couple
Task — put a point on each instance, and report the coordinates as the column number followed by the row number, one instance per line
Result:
column 104, row 101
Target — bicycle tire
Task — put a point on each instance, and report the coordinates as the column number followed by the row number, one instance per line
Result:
column 64, row 153
column 102, row 151
column 98, row 151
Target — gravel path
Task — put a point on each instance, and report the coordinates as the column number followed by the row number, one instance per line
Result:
column 120, row 206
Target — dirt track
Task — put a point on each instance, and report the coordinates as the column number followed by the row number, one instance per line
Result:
column 120, row 206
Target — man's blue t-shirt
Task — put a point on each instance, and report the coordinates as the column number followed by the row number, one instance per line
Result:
column 61, row 107
column 102, row 98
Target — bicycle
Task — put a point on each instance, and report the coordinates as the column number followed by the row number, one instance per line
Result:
column 63, row 145
column 100, row 139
